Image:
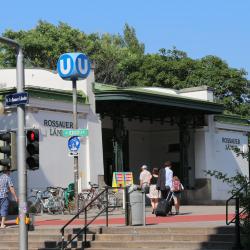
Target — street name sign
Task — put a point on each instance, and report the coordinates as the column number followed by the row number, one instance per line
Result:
column 75, row 132
column 17, row 98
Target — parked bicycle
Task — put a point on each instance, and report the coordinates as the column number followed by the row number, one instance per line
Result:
column 88, row 195
column 69, row 199
column 51, row 200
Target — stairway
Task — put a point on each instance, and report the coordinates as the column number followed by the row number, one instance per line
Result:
column 124, row 238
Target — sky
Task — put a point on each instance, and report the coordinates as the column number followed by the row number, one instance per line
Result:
column 198, row 27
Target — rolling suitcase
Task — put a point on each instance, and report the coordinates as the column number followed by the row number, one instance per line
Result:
column 164, row 206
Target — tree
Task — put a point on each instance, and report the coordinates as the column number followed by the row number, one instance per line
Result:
column 44, row 44
column 120, row 60
column 131, row 40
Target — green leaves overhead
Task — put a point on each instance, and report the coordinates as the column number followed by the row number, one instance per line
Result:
column 121, row 60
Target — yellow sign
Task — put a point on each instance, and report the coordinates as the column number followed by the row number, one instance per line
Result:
column 27, row 220
column 122, row 179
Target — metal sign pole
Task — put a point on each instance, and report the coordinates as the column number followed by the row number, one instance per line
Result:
column 74, row 66
column 22, row 171
column 75, row 126
column 21, row 165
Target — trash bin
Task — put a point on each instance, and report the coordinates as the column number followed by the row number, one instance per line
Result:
column 137, row 207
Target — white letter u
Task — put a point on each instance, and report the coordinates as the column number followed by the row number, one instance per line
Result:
column 66, row 70
column 83, row 70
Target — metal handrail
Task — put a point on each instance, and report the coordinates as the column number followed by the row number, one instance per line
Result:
column 236, row 219
column 235, row 196
column 63, row 246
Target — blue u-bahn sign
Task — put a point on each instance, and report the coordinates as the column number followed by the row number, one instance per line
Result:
column 73, row 66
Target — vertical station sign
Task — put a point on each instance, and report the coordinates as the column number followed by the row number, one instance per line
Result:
column 73, row 67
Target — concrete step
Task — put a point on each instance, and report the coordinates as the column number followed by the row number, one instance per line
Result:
column 153, row 248
column 159, row 244
column 148, row 237
column 168, row 230
column 165, row 237
column 158, row 248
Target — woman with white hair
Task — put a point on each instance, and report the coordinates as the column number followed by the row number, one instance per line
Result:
column 145, row 177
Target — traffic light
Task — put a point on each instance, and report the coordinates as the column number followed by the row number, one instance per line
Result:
column 8, row 151
column 32, row 147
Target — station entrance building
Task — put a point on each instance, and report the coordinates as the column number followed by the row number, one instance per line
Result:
column 129, row 127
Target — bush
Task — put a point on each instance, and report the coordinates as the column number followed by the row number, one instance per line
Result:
column 236, row 182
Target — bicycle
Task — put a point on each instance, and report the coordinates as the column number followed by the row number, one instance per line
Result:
column 69, row 199
column 51, row 200
column 89, row 194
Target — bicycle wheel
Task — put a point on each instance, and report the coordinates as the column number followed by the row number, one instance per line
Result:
column 61, row 206
column 112, row 201
column 81, row 200
column 85, row 198
column 71, row 206
column 34, row 205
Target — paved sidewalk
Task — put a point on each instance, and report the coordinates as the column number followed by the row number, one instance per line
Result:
column 195, row 216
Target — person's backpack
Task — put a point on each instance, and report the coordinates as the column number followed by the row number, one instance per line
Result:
column 176, row 186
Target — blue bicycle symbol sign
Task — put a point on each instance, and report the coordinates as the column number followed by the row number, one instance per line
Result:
column 74, row 144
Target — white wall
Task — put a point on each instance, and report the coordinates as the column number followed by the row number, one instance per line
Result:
column 227, row 161
column 211, row 153
column 56, row 167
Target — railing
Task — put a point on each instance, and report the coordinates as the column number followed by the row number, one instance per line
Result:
column 86, row 222
column 238, row 213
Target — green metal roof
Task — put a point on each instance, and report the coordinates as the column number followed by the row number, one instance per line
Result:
column 232, row 119
column 108, row 93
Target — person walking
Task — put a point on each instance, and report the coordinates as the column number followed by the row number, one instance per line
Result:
column 154, row 194
column 144, row 177
column 177, row 188
column 6, row 186
column 164, row 182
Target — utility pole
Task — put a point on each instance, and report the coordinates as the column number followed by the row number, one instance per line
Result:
column 21, row 166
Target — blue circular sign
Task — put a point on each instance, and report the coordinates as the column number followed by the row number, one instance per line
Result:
column 74, row 144
column 82, row 65
column 73, row 66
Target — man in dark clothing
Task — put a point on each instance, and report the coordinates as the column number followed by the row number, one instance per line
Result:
column 165, row 179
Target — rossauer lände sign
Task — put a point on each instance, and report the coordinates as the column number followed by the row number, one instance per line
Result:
column 56, row 127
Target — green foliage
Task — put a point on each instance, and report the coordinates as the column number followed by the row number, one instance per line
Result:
column 236, row 183
column 121, row 60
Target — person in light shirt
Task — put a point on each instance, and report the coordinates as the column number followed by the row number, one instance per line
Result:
column 165, row 179
column 145, row 176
